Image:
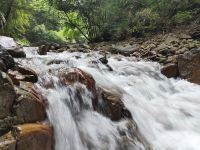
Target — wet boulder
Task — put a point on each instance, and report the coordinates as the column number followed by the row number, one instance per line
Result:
column 170, row 70
column 111, row 105
column 6, row 60
column 7, row 95
column 189, row 66
column 12, row 47
column 28, row 137
column 73, row 75
column 29, row 106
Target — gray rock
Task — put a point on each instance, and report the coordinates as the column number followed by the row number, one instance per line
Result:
column 126, row 49
column 189, row 65
column 6, row 60
column 7, row 95
column 12, row 47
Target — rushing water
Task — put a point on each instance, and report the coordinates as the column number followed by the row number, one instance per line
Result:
column 166, row 111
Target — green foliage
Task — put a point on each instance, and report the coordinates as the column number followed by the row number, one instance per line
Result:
column 2, row 20
column 41, row 33
column 145, row 21
column 94, row 20
column 17, row 18
column 182, row 17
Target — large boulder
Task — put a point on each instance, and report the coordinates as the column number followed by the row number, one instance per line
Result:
column 29, row 106
column 7, row 95
column 28, row 137
column 189, row 66
column 12, row 47
column 170, row 70
column 6, row 60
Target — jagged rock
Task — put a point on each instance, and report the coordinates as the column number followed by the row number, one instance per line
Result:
column 29, row 105
column 22, row 73
column 170, row 70
column 12, row 47
column 111, row 105
column 6, row 60
column 28, row 137
column 189, row 65
column 7, row 95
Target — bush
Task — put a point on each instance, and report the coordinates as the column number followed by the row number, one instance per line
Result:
column 182, row 17
column 40, row 33
column 145, row 21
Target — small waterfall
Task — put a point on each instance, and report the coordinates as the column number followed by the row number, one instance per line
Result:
column 166, row 111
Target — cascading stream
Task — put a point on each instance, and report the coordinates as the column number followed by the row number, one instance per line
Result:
column 166, row 111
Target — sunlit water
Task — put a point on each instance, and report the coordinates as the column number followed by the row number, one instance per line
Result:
column 167, row 111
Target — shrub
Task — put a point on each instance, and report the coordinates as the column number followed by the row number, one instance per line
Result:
column 182, row 17
column 145, row 21
column 40, row 33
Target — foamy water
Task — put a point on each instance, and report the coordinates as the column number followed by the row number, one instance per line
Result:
column 166, row 111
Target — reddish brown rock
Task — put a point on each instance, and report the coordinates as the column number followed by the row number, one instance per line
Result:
column 74, row 75
column 170, row 70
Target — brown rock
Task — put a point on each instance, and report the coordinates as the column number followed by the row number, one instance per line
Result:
column 72, row 75
column 17, row 53
column 29, row 105
column 7, row 95
column 170, row 70
column 43, row 49
column 35, row 137
column 28, row 137
column 189, row 66
column 21, row 73
column 112, row 106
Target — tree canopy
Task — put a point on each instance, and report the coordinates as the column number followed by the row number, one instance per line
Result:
column 92, row 20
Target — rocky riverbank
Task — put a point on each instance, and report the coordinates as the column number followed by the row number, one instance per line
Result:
column 175, row 51
column 22, row 108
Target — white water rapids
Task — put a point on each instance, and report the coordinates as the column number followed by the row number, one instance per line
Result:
column 167, row 111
